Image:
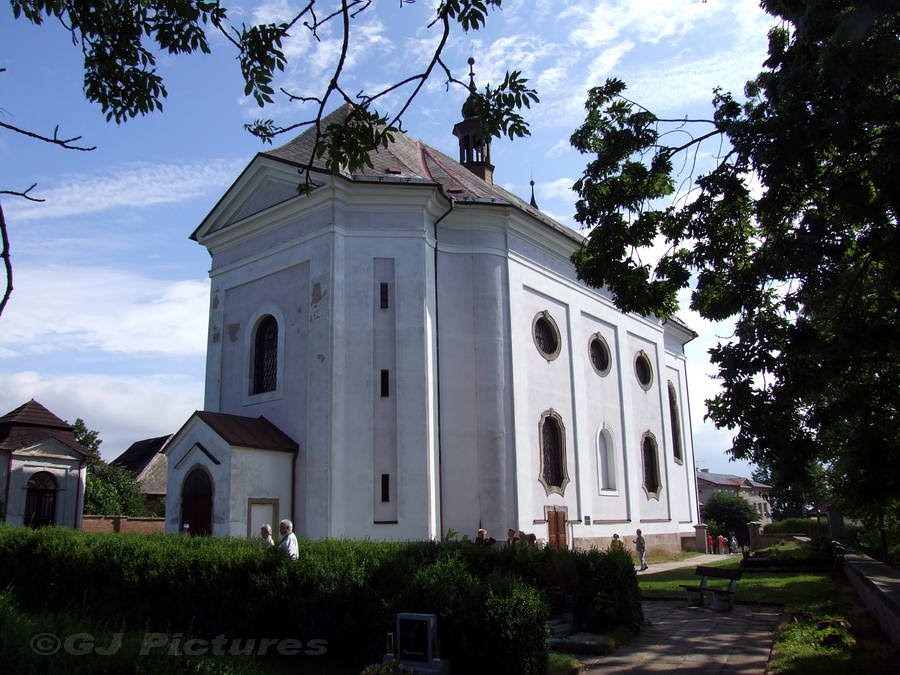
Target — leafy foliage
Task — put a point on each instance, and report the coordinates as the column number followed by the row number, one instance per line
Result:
column 491, row 601
column 86, row 438
column 112, row 491
column 805, row 265
column 794, row 488
column 731, row 514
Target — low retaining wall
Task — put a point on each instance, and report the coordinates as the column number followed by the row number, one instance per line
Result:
column 656, row 543
column 123, row 524
column 878, row 587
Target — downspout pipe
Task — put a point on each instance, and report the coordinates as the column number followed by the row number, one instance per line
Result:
column 9, row 455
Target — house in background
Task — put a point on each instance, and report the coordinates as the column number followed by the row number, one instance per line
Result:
column 147, row 462
column 42, row 468
column 754, row 492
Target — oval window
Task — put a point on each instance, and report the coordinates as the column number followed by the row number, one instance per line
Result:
column 643, row 370
column 546, row 336
column 599, row 353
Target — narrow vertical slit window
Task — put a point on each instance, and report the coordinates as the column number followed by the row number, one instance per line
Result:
column 677, row 448
column 385, row 297
column 385, row 383
column 385, row 487
column 265, row 356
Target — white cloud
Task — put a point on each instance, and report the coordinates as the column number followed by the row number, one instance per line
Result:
column 123, row 408
column 560, row 188
column 605, row 62
column 561, row 147
column 649, row 22
column 60, row 308
column 131, row 186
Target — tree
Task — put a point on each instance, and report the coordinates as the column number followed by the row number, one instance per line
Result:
column 794, row 488
column 119, row 42
column 87, row 438
column 805, row 266
column 731, row 513
column 112, row 491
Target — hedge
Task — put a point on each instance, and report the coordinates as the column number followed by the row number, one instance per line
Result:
column 807, row 526
column 492, row 602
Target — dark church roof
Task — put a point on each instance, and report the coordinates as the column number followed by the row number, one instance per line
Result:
column 32, row 423
column 408, row 160
column 140, row 453
column 248, row 432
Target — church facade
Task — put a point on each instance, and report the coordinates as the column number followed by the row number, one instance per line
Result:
column 408, row 351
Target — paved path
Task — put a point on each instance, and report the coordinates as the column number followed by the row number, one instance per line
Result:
column 693, row 561
column 694, row 639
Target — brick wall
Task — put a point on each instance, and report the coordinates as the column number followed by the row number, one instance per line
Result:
column 122, row 524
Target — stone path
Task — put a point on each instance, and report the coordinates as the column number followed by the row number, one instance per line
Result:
column 695, row 640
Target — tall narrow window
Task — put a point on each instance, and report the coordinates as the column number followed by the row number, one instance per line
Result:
column 605, row 461
column 385, row 487
column 385, row 383
column 553, row 473
column 385, row 298
column 265, row 356
column 651, row 466
column 677, row 449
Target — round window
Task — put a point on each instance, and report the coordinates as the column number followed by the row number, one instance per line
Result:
column 599, row 352
column 643, row 370
column 546, row 336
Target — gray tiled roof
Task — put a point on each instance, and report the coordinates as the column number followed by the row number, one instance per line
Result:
column 409, row 160
column 728, row 479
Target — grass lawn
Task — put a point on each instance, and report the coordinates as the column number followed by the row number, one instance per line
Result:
column 787, row 588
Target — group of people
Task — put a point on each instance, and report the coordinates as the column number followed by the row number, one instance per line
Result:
column 288, row 542
column 512, row 537
column 640, row 545
column 722, row 545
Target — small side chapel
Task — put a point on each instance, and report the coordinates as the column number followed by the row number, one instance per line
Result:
column 407, row 350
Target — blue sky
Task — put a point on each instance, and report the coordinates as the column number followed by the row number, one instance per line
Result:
column 108, row 318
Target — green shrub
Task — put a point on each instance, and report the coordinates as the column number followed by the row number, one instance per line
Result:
column 491, row 601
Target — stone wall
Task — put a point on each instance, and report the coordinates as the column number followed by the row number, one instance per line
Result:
column 878, row 587
column 122, row 524
column 668, row 543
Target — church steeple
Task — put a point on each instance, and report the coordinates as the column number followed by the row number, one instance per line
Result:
column 474, row 151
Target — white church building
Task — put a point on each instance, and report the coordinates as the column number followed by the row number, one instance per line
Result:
column 407, row 351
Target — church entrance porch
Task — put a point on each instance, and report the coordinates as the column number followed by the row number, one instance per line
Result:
column 196, row 503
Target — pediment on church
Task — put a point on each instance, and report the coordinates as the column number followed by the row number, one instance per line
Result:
column 264, row 185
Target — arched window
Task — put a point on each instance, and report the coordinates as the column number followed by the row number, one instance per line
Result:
column 650, row 462
column 554, row 476
column 40, row 500
column 606, row 463
column 265, row 356
column 676, row 424
column 196, row 503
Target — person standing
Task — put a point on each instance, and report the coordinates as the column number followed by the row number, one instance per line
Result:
column 288, row 539
column 721, row 542
column 710, row 544
column 265, row 533
column 641, row 547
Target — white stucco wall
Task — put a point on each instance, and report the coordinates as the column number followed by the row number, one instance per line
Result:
column 63, row 464
column 264, row 475
column 459, row 435
column 184, row 456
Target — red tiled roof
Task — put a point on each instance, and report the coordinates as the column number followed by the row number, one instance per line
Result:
column 248, row 432
column 32, row 423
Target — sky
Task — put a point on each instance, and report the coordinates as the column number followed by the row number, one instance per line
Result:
column 108, row 319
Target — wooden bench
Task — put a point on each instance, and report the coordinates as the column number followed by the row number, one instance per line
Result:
column 716, row 597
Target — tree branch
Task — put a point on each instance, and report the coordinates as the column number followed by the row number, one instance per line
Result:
column 24, row 194
column 6, row 260
column 55, row 140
